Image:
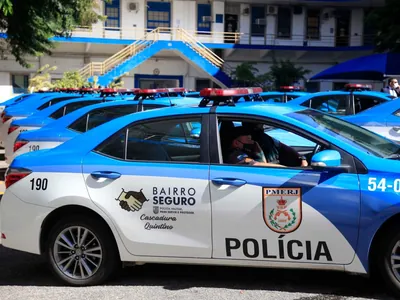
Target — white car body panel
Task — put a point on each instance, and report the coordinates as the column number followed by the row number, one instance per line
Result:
column 386, row 131
column 31, row 147
column 10, row 140
column 4, row 129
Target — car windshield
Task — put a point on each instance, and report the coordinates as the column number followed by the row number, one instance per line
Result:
column 362, row 138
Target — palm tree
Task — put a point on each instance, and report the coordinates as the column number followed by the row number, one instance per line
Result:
column 243, row 74
column 286, row 73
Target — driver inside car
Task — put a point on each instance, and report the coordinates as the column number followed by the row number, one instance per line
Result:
column 244, row 150
column 275, row 151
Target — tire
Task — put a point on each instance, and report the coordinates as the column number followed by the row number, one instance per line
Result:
column 102, row 263
column 384, row 261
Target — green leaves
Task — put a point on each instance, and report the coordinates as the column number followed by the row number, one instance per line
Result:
column 281, row 73
column 285, row 72
column 30, row 26
column 386, row 23
column 6, row 7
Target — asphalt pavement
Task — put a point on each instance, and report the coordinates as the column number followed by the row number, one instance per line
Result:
column 26, row 276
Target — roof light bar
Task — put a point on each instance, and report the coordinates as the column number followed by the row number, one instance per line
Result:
column 176, row 90
column 128, row 91
column 152, row 91
column 358, row 86
column 214, row 92
column 291, row 88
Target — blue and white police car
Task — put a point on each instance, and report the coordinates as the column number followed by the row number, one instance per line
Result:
column 28, row 107
column 87, row 118
column 42, row 118
column 354, row 99
column 146, row 188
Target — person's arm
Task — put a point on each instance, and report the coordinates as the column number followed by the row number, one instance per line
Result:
column 287, row 150
column 264, row 164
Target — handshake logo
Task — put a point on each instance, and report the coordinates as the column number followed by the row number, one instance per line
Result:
column 131, row 201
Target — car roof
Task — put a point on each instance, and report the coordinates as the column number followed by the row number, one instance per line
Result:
column 275, row 111
column 67, row 119
column 49, row 110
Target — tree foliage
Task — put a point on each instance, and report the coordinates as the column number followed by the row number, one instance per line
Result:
column 29, row 24
column 42, row 79
column 386, row 23
column 71, row 80
column 285, row 72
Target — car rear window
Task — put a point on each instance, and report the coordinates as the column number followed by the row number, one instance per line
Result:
column 55, row 101
column 100, row 116
column 70, row 107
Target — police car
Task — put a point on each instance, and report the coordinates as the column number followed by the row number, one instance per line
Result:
column 284, row 94
column 28, row 107
column 35, row 105
column 42, row 118
column 354, row 99
column 144, row 188
column 85, row 119
column 382, row 119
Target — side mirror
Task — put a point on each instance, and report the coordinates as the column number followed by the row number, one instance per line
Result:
column 195, row 133
column 327, row 160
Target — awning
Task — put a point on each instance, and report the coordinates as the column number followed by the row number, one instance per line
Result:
column 375, row 67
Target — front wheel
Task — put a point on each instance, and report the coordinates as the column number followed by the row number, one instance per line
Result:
column 81, row 251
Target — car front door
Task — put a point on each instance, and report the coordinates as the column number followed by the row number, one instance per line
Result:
column 153, row 181
column 283, row 214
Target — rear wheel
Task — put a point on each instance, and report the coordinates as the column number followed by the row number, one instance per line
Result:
column 81, row 251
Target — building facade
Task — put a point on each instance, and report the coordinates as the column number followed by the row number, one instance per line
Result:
column 314, row 34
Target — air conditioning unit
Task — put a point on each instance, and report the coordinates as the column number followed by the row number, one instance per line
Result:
column 260, row 22
column 207, row 19
column 133, row 6
column 272, row 9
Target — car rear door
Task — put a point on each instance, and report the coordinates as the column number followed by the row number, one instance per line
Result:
column 159, row 203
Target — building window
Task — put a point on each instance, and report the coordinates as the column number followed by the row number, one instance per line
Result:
column 112, row 13
column 313, row 24
column 203, row 26
column 158, row 14
column 20, row 83
column 284, row 28
column 258, row 21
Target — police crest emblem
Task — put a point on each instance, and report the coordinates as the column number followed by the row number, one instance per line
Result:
column 282, row 209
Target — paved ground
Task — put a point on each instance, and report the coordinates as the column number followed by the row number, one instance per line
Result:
column 24, row 276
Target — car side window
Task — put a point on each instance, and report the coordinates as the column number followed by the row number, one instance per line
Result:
column 333, row 104
column 362, row 103
column 100, row 116
column 272, row 98
column 114, row 146
column 168, row 140
column 277, row 145
column 55, row 101
column 175, row 140
column 104, row 115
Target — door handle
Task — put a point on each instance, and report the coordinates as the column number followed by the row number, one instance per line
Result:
column 229, row 181
column 106, row 174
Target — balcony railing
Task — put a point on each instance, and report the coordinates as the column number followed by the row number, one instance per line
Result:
column 229, row 37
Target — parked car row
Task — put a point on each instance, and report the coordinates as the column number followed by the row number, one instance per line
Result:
column 95, row 183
